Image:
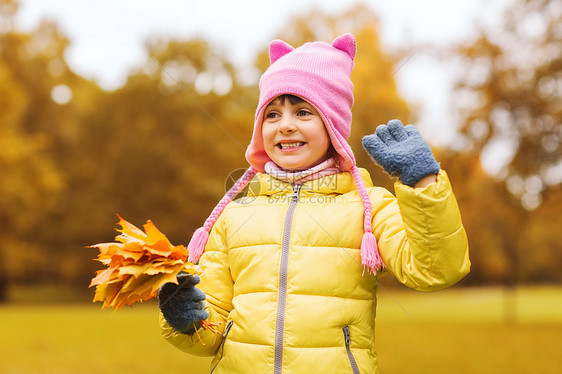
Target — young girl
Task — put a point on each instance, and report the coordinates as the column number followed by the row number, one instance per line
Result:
column 291, row 272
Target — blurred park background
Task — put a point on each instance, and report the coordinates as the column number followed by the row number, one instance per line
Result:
column 162, row 146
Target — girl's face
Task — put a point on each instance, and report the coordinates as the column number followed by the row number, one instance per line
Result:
column 294, row 135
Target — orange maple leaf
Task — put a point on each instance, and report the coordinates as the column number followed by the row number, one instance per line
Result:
column 138, row 264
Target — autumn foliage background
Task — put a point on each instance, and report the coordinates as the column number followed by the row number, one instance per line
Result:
column 164, row 147
column 167, row 144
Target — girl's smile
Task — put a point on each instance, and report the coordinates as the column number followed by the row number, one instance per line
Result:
column 289, row 145
column 294, row 134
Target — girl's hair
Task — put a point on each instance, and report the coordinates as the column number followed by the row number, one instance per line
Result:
column 292, row 99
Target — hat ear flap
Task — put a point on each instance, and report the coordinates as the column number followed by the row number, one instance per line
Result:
column 346, row 43
column 278, row 49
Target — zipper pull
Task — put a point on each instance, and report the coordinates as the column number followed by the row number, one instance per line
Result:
column 227, row 328
column 347, row 335
column 296, row 192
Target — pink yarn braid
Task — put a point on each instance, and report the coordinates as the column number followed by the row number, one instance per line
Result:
column 370, row 256
column 196, row 246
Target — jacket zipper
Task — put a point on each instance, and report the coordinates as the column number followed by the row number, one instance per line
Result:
column 280, row 325
column 352, row 361
column 224, row 335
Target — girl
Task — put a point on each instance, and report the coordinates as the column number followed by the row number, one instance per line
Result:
column 291, row 274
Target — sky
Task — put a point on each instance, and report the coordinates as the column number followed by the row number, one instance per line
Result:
column 107, row 36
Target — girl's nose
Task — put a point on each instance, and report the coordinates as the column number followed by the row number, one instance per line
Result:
column 287, row 125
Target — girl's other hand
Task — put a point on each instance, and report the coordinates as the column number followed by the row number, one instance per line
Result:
column 402, row 152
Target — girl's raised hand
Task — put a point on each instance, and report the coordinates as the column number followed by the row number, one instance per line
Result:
column 401, row 151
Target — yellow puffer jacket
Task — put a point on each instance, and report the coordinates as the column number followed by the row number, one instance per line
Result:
column 283, row 274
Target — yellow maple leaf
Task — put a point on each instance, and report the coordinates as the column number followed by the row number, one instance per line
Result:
column 138, row 264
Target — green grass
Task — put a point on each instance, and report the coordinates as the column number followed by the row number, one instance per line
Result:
column 465, row 331
column 453, row 331
column 82, row 338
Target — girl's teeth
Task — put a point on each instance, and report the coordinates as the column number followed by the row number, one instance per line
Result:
column 290, row 145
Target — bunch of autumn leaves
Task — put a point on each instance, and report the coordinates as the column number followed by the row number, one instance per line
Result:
column 138, row 264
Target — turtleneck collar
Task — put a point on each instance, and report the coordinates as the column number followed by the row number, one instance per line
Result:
column 323, row 169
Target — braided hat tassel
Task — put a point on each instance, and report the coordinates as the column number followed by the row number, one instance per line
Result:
column 370, row 256
column 198, row 241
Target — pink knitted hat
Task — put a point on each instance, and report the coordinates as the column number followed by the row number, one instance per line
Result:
column 320, row 74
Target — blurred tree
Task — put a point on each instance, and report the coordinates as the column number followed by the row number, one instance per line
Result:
column 8, row 8
column 509, row 245
column 491, row 218
column 161, row 146
column 541, row 256
column 510, row 98
column 32, row 182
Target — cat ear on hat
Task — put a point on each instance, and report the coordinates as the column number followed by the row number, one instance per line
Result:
column 277, row 49
column 346, row 43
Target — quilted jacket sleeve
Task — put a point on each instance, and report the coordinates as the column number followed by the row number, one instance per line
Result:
column 217, row 284
column 420, row 235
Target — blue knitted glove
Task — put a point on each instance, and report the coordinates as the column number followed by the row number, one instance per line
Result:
column 182, row 305
column 401, row 151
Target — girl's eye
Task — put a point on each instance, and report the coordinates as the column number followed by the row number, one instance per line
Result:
column 303, row 112
column 272, row 115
